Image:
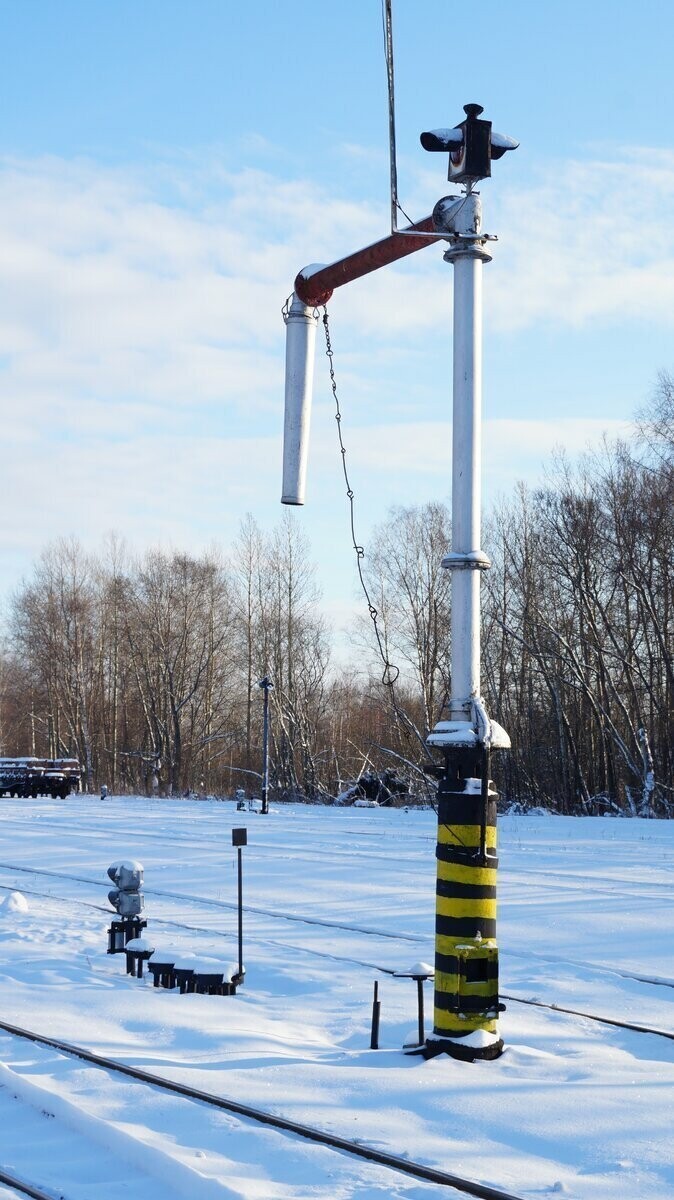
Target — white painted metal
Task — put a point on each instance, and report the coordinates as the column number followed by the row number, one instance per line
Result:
column 468, row 723
column 301, row 324
column 466, row 481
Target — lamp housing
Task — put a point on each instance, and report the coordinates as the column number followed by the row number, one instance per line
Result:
column 471, row 146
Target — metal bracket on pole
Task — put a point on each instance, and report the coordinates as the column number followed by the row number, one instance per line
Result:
column 472, row 560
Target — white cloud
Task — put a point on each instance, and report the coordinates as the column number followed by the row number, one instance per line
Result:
column 421, row 452
column 591, row 241
column 141, row 344
column 130, row 285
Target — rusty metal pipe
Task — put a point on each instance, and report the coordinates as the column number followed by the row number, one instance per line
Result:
column 314, row 286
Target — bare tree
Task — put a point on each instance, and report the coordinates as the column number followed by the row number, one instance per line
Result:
column 403, row 565
column 178, row 624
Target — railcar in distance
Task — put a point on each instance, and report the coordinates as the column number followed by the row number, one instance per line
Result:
column 56, row 777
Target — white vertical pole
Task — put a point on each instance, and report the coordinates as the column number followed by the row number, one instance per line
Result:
column 468, row 724
column 466, row 559
column 466, row 482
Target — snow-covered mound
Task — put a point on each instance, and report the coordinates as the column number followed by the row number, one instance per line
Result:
column 15, row 902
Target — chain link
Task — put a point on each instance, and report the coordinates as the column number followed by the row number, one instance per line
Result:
column 391, row 672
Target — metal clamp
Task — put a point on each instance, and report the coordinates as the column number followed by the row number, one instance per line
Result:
column 472, row 560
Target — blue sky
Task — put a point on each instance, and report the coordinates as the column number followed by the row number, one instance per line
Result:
column 166, row 168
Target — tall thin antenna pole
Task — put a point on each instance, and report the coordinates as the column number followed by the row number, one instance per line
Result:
column 387, row 18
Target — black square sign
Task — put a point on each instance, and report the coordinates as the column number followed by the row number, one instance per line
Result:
column 239, row 837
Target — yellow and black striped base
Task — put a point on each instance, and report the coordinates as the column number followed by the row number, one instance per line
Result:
column 466, row 954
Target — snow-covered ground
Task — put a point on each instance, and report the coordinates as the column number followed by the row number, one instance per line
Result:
column 573, row 1107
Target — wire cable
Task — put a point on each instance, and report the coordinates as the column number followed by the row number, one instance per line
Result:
column 391, row 672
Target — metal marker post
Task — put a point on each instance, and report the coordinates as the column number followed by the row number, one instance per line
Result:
column 420, row 972
column 420, row 1003
column 266, row 686
column 376, row 1014
column 239, row 839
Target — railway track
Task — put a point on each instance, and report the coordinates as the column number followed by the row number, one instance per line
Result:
column 368, row 931
column 575, row 1012
column 213, row 933
column 229, row 906
column 291, row 1128
column 207, row 902
column 247, row 1112
column 549, row 879
column 568, row 1025
column 23, row 1188
column 390, row 971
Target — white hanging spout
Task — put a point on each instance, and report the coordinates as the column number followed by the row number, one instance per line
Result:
column 301, row 322
column 314, row 286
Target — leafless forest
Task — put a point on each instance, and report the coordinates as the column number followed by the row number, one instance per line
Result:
column 146, row 667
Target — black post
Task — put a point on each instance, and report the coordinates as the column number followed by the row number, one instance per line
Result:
column 265, row 684
column 240, row 873
column 240, row 839
column 376, row 1009
column 420, row 994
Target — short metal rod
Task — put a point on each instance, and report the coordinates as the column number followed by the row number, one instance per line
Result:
column 376, row 1011
column 420, row 997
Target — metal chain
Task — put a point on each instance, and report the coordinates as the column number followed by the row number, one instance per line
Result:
column 391, row 671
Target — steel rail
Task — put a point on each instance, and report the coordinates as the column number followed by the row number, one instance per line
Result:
column 261, row 1116
column 28, row 1189
column 391, row 971
column 419, row 939
column 348, row 958
column 216, row 933
column 575, row 1012
column 228, row 905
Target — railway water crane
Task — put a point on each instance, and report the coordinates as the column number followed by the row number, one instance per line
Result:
column 466, row 953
